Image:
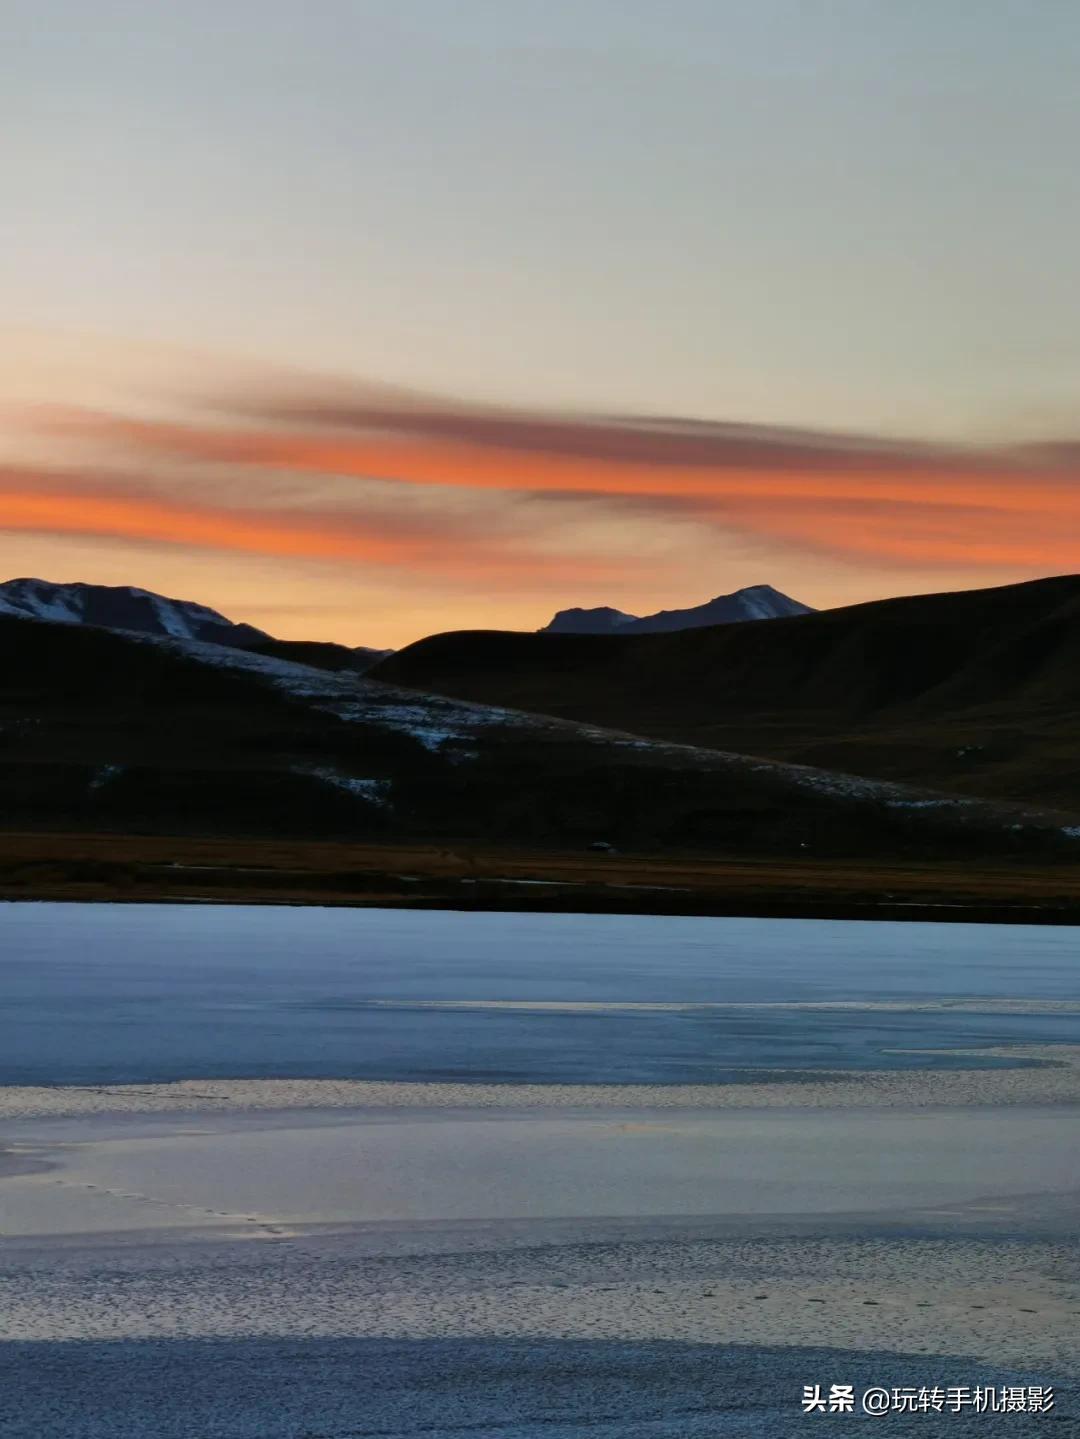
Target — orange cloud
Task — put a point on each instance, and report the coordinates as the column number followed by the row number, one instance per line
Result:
column 943, row 536
column 55, row 502
column 862, row 496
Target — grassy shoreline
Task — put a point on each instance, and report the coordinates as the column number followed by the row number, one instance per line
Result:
column 186, row 869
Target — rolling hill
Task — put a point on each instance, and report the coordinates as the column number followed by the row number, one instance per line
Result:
column 148, row 735
column 975, row 692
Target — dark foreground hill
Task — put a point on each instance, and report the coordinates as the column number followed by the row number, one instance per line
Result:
column 975, row 692
column 109, row 732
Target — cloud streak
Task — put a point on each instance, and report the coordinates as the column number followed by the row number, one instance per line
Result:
column 866, row 498
column 59, row 502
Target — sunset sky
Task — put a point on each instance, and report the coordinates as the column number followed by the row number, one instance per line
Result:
column 360, row 319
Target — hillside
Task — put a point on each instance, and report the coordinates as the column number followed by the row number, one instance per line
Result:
column 976, row 692
column 110, row 732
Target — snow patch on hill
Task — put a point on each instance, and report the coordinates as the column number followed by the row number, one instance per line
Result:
column 459, row 730
column 374, row 791
column 429, row 719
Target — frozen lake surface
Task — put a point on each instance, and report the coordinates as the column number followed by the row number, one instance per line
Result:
column 485, row 1389
column 748, row 1206
column 141, row 993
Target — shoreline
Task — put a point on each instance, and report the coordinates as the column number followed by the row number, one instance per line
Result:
column 444, row 875
column 914, row 913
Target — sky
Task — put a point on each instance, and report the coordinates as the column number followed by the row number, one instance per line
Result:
column 365, row 319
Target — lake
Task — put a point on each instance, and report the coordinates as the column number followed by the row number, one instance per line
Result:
column 110, row 993
column 740, row 1204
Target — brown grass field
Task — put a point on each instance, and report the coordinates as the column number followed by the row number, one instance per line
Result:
column 138, row 868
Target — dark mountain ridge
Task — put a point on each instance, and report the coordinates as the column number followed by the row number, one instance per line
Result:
column 754, row 602
column 977, row 691
column 103, row 731
column 122, row 607
column 131, row 610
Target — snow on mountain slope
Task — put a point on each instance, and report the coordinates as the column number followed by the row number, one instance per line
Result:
column 36, row 600
column 456, row 728
column 107, row 729
column 432, row 720
column 755, row 602
column 120, row 607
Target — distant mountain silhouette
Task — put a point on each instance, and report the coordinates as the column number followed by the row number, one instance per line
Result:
column 122, row 607
column 125, row 608
column 755, row 602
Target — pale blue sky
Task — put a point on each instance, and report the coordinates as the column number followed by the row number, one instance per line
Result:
column 856, row 213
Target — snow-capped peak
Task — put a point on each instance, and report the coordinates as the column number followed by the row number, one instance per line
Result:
column 754, row 602
column 120, row 607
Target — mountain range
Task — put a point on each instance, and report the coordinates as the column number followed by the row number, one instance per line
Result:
column 117, row 731
column 123, row 607
column 128, row 609
column 940, row 725
column 975, row 692
column 936, row 724
column 755, row 602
